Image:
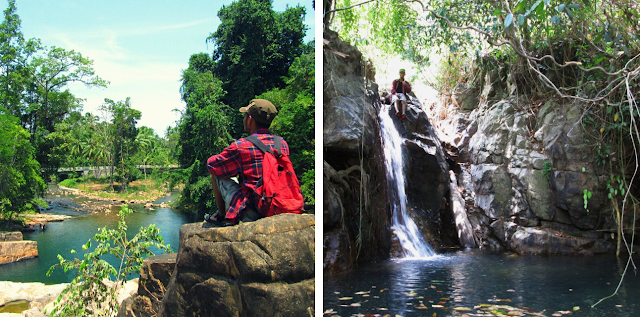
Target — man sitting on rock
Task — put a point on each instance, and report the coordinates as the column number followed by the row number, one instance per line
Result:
column 399, row 90
column 236, row 199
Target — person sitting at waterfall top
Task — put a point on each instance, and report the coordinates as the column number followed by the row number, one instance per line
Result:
column 399, row 90
column 237, row 200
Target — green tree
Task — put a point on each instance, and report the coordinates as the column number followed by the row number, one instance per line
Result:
column 48, row 104
column 19, row 171
column 202, row 128
column 122, row 136
column 295, row 121
column 254, row 48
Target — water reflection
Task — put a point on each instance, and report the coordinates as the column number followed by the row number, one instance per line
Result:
column 467, row 279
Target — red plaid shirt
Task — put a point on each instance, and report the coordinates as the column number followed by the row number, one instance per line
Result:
column 243, row 159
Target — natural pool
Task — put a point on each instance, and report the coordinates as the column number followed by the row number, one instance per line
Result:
column 456, row 284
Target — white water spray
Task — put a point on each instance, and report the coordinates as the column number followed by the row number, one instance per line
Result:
column 412, row 242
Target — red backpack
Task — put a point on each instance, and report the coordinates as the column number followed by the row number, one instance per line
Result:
column 278, row 190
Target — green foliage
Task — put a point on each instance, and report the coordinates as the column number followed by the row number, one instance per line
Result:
column 33, row 87
column 547, row 169
column 386, row 25
column 122, row 136
column 88, row 294
column 295, row 121
column 586, row 195
column 203, row 129
column 254, row 48
column 20, row 172
column 69, row 182
column 197, row 194
column 308, row 186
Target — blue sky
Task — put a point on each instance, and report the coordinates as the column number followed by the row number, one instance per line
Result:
column 139, row 46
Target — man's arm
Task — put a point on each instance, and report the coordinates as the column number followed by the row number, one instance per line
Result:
column 393, row 87
column 226, row 164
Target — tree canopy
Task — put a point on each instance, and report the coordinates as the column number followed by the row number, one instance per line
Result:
column 254, row 48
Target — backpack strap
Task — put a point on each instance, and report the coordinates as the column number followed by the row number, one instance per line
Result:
column 255, row 141
column 277, row 142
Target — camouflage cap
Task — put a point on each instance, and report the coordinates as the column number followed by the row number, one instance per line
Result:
column 402, row 70
column 261, row 110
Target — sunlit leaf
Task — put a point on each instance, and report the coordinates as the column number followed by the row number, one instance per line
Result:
column 508, row 20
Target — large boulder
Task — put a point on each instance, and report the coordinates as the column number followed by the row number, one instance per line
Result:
column 427, row 177
column 155, row 275
column 13, row 251
column 348, row 124
column 11, row 236
column 261, row 268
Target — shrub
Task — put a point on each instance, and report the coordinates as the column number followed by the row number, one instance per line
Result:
column 90, row 293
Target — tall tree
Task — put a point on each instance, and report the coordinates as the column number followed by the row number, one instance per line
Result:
column 14, row 51
column 254, row 47
column 122, row 134
column 202, row 128
column 20, row 172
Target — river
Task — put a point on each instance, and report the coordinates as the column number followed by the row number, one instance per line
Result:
column 466, row 279
column 61, row 237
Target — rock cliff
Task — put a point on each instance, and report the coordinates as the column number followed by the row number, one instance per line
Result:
column 263, row 268
column 524, row 170
column 356, row 224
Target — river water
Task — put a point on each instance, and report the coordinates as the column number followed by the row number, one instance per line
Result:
column 61, row 237
column 467, row 279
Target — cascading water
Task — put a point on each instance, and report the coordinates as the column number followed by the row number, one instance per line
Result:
column 412, row 242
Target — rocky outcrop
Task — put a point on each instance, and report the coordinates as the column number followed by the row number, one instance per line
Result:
column 524, row 174
column 262, row 268
column 155, row 275
column 427, row 177
column 13, row 248
column 353, row 162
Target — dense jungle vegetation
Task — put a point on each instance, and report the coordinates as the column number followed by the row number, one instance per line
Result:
column 257, row 53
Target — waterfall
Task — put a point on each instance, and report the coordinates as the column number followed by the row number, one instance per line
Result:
column 412, row 242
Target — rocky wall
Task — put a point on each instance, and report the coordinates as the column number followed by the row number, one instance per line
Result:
column 356, row 227
column 524, row 169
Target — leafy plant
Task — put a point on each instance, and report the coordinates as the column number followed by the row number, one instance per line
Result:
column 93, row 292
column 547, row 168
column 586, row 195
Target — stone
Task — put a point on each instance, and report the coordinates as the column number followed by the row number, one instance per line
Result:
column 332, row 208
column 11, row 236
column 466, row 96
column 338, row 251
column 546, row 241
column 13, row 251
column 230, row 271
